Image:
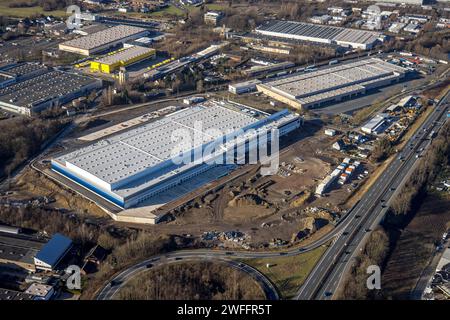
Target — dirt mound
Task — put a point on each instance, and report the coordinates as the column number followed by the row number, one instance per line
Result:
column 248, row 200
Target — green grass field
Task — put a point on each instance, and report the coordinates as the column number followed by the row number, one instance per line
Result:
column 5, row 10
column 288, row 273
column 169, row 11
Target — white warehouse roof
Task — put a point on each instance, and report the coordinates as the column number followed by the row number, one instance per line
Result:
column 136, row 160
column 321, row 85
column 103, row 37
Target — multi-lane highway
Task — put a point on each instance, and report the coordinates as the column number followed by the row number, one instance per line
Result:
column 326, row 276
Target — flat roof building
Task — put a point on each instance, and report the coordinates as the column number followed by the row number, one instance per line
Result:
column 122, row 58
column 133, row 166
column 18, row 251
column 213, row 17
column 344, row 37
column 7, row 294
column 243, row 87
column 376, row 125
column 332, row 83
column 46, row 90
column 40, row 291
column 258, row 70
column 15, row 72
column 102, row 40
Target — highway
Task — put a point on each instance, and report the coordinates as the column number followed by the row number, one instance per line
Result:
column 327, row 275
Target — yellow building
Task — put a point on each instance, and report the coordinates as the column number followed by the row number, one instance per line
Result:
column 122, row 58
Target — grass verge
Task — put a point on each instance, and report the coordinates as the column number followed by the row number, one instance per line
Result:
column 288, row 273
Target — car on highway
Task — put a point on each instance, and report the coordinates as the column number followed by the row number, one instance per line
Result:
column 228, row 253
column 178, row 258
column 357, row 216
column 115, row 283
column 283, row 253
column 367, row 230
column 384, row 206
column 149, row 266
column 327, row 294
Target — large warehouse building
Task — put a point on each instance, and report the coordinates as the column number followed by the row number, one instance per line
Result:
column 333, row 83
column 122, row 58
column 42, row 90
column 136, row 165
column 102, row 40
column 344, row 37
column 14, row 72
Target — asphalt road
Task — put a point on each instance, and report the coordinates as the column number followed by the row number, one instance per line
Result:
column 326, row 276
column 109, row 291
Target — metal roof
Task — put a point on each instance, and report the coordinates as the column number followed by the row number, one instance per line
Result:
column 140, row 158
column 125, row 54
column 330, row 81
column 314, row 31
column 104, row 37
column 50, row 85
column 54, row 250
column 133, row 151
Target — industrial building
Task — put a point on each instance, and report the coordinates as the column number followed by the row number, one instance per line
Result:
column 14, row 72
column 376, row 125
column 258, row 70
column 344, row 37
column 102, row 40
column 122, row 58
column 8, row 294
column 17, row 251
column 40, row 291
column 213, row 17
column 41, row 91
column 243, row 87
column 134, row 166
column 52, row 252
column 415, row 2
column 332, row 83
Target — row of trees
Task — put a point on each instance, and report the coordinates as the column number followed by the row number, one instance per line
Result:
column 46, row 5
column 432, row 164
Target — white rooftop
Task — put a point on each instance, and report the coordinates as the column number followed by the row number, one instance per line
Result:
column 103, row 37
column 125, row 54
column 130, row 152
column 330, row 81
